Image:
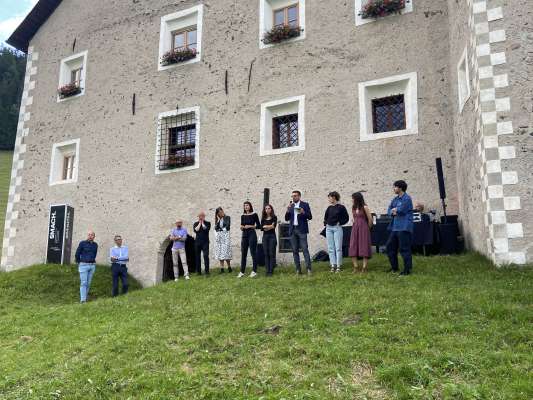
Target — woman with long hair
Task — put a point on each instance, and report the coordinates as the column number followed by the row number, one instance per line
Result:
column 249, row 223
column 360, row 239
column 269, row 221
column 223, row 239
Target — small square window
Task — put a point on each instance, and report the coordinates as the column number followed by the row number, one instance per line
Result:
column 72, row 77
column 281, row 21
column 388, row 114
column 282, row 127
column 180, row 38
column 388, row 107
column 285, row 131
column 64, row 162
column 177, row 142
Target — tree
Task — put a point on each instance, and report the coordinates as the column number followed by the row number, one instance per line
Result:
column 12, row 68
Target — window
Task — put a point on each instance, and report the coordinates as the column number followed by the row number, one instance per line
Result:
column 68, row 167
column 463, row 81
column 72, row 77
column 388, row 114
column 288, row 16
column 184, row 39
column 388, row 107
column 359, row 4
column 177, row 141
column 285, row 131
column 282, row 127
column 180, row 38
column 64, row 162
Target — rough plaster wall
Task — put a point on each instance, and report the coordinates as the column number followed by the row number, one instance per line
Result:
column 466, row 136
column 117, row 190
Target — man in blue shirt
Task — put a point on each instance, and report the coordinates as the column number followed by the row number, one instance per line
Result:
column 401, row 229
column 178, row 235
column 86, row 260
column 119, row 257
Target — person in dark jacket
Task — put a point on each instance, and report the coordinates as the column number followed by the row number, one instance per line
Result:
column 201, row 244
column 86, row 260
column 269, row 221
column 335, row 217
column 298, row 214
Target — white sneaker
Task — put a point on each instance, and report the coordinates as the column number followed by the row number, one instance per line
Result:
column 240, row 275
column 253, row 274
column 175, row 279
column 187, row 277
column 332, row 269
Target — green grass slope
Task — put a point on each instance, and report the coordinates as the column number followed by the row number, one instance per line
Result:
column 456, row 329
column 6, row 159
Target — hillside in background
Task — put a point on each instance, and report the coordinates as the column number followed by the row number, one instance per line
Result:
column 12, row 69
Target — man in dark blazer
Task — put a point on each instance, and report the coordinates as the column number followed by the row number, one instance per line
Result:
column 201, row 243
column 298, row 214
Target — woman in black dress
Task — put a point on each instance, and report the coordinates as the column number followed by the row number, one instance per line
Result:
column 249, row 223
column 269, row 221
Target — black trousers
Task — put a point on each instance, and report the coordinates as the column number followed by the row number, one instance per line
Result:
column 249, row 241
column 119, row 271
column 269, row 246
column 401, row 241
column 199, row 248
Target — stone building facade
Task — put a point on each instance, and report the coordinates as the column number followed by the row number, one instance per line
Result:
column 347, row 104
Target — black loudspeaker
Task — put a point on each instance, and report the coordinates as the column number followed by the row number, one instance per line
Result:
column 448, row 239
column 266, row 197
column 440, row 177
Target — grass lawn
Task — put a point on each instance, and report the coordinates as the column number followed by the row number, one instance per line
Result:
column 456, row 329
column 6, row 158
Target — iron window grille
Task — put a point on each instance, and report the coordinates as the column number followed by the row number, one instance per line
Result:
column 285, row 131
column 388, row 114
column 177, row 144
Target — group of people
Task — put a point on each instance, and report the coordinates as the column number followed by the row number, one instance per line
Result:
column 297, row 215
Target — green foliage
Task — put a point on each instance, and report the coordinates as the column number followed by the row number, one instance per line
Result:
column 458, row 328
column 12, row 68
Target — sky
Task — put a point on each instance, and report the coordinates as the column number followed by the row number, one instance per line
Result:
column 12, row 12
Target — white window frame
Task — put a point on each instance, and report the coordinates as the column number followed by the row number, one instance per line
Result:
column 362, row 21
column 165, row 34
column 266, row 15
column 174, row 113
column 56, row 162
column 410, row 92
column 65, row 70
column 265, row 130
column 463, row 80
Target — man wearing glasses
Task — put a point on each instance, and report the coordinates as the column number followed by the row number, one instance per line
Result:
column 119, row 257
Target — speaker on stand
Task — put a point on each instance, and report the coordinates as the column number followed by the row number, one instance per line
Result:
column 449, row 227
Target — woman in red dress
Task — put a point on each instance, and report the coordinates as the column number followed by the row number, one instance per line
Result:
column 360, row 239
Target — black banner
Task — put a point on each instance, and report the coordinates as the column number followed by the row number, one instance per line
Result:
column 60, row 226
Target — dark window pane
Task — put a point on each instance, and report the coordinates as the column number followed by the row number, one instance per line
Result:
column 388, row 114
column 285, row 131
column 177, row 141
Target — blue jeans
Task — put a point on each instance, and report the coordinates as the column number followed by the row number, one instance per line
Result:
column 86, row 276
column 334, row 237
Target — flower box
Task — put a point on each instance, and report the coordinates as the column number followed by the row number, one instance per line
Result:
column 382, row 8
column 280, row 33
column 69, row 90
column 177, row 56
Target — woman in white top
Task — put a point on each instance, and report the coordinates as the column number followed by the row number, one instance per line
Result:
column 223, row 239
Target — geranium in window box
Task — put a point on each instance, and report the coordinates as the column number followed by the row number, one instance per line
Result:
column 280, row 33
column 178, row 55
column 382, row 8
column 69, row 90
